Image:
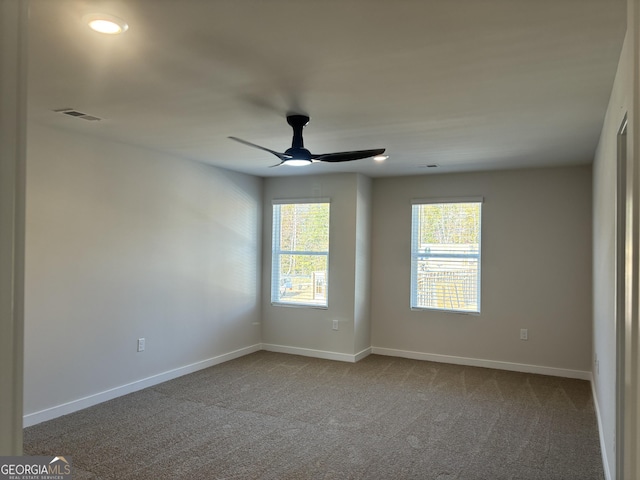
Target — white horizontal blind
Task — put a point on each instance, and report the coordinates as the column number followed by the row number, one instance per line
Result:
column 445, row 255
column 300, row 255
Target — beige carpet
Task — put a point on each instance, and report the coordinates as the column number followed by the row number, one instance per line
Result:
column 277, row 416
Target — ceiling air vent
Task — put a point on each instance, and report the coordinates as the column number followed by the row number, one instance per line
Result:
column 74, row 113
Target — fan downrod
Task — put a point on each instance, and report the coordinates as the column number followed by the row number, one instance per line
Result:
column 298, row 122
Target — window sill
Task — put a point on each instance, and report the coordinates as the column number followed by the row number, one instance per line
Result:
column 459, row 312
column 300, row 305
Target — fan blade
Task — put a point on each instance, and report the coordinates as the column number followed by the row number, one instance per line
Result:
column 281, row 156
column 348, row 156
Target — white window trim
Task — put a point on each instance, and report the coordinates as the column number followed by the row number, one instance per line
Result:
column 286, row 201
column 413, row 292
column 431, row 200
column 275, row 241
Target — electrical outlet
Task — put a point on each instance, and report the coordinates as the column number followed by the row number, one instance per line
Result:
column 141, row 344
column 524, row 334
column 335, row 325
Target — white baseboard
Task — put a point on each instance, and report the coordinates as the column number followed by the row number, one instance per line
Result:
column 75, row 405
column 476, row 362
column 364, row 353
column 85, row 402
column 603, row 449
column 309, row 352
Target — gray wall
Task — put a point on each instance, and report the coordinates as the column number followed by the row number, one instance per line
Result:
column 308, row 331
column 604, row 255
column 125, row 243
column 362, row 299
column 536, row 270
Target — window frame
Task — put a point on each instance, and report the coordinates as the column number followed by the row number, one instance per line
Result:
column 276, row 252
column 415, row 254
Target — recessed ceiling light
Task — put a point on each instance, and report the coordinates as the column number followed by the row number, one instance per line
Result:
column 103, row 23
column 380, row 158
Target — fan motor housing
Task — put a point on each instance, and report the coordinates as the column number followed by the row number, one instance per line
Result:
column 299, row 153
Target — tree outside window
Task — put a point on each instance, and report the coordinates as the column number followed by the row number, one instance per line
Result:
column 300, row 254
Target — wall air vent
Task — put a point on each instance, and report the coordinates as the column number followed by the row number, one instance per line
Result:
column 74, row 113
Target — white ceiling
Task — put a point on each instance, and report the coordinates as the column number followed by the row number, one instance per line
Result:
column 465, row 84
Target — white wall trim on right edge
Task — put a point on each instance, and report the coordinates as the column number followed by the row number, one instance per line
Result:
column 605, row 459
column 477, row 362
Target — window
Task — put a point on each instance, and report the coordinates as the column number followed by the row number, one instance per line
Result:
column 445, row 255
column 300, row 254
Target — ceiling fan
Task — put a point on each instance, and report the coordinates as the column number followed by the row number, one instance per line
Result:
column 297, row 155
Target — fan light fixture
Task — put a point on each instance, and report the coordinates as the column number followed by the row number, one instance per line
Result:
column 380, row 158
column 104, row 23
column 297, row 162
